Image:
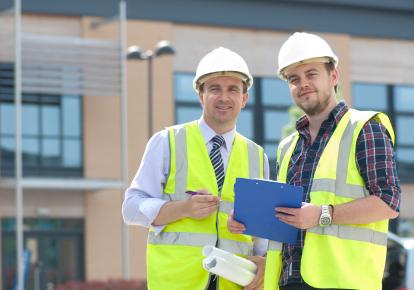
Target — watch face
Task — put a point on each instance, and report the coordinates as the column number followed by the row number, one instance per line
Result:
column 325, row 220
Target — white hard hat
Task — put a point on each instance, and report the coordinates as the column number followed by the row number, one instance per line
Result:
column 222, row 62
column 302, row 47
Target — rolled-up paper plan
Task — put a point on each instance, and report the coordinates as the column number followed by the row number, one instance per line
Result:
column 229, row 266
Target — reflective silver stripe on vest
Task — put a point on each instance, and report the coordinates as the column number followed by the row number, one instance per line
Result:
column 181, row 165
column 254, row 159
column 183, row 239
column 340, row 189
column 285, row 148
column 339, row 186
column 236, row 247
column 352, row 233
column 274, row 246
column 199, row 240
column 345, row 146
column 226, row 206
column 343, row 154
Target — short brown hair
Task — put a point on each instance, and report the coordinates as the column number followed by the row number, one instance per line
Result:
column 330, row 66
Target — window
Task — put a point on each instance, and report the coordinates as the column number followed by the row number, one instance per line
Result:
column 398, row 103
column 51, row 131
column 262, row 120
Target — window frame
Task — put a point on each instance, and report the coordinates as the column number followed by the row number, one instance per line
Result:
column 41, row 168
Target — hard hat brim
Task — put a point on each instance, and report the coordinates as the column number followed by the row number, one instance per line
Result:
column 324, row 59
column 238, row 75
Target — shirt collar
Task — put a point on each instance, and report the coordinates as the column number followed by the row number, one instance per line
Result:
column 208, row 134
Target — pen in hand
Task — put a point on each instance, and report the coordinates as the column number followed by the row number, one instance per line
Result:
column 191, row 192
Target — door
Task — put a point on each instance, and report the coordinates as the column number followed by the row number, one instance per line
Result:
column 57, row 256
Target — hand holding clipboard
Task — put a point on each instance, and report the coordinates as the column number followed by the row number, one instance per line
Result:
column 255, row 203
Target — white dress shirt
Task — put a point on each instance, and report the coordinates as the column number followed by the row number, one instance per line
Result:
column 143, row 199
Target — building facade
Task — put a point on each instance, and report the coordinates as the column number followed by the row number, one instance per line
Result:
column 76, row 232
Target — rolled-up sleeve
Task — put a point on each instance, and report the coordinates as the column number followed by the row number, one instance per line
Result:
column 377, row 164
column 144, row 198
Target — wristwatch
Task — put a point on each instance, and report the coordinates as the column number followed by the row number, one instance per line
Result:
column 325, row 219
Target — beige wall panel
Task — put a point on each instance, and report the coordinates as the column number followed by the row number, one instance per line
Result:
column 103, row 227
column 341, row 45
column 147, row 34
column 102, row 145
column 382, row 61
column 258, row 48
column 39, row 24
column 407, row 201
column 103, row 232
column 101, row 137
column 51, row 25
column 137, row 252
column 6, row 38
column 58, row 204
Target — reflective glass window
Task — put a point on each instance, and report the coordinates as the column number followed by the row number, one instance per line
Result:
column 369, row 96
column 404, row 98
column 275, row 92
column 7, row 119
column 184, row 91
column 51, row 136
column 245, row 123
column 72, row 153
column 71, row 116
column 397, row 101
column 274, row 123
column 51, row 121
column 184, row 114
column 404, row 126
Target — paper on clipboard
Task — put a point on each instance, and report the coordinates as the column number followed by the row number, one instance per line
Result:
column 229, row 266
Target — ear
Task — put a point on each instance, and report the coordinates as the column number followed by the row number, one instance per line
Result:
column 201, row 98
column 335, row 76
column 245, row 99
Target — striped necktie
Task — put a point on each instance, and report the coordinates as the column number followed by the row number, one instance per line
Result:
column 217, row 161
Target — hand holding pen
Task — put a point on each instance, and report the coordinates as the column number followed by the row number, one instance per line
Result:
column 201, row 204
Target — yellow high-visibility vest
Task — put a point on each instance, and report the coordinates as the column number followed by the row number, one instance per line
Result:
column 174, row 257
column 350, row 256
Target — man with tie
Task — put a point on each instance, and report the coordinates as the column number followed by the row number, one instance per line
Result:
column 184, row 188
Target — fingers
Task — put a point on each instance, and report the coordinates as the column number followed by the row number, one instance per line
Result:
column 201, row 198
column 234, row 226
column 203, row 213
column 286, row 218
column 203, row 191
column 201, row 206
column 287, row 210
column 258, row 280
column 303, row 218
column 203, row 195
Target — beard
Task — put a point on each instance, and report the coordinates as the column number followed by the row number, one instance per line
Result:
column 315, row 106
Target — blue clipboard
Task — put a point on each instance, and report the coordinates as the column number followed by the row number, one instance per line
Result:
column 254, row 206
